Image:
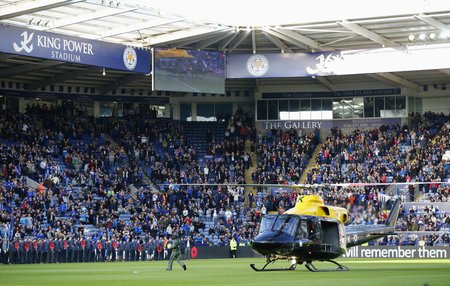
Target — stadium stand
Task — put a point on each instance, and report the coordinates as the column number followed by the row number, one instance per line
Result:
column 90, row 202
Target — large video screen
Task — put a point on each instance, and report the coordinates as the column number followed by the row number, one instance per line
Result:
column 188, row 70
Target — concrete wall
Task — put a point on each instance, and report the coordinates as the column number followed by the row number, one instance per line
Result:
column 437, row 104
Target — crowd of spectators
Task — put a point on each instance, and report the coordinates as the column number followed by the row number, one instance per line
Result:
column 85, row 207
column 388, row 154
column 282, row 156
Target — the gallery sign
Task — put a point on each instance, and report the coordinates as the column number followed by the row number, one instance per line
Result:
column 342, row 123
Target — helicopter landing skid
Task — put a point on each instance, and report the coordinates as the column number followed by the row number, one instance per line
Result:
column 292, row 267
column 339, row 267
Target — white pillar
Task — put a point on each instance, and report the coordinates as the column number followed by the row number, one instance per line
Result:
column 176, row 111
column 167, row 111
column 194, row 111
column 235, row 107
column 22, row 105
column 96, row 109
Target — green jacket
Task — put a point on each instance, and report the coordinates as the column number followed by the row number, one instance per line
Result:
column 175, row 247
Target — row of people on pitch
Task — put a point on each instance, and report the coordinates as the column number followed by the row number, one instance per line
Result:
column 52, row 251
column 81, row 250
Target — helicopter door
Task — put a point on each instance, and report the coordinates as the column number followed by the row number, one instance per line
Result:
column 315, row 231
column 330, row 231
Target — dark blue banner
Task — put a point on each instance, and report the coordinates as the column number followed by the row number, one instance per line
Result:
column 34, row 43
column 328, row 94
column 280, row 65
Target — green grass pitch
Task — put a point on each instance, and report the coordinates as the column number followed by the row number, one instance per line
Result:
column 230, row 272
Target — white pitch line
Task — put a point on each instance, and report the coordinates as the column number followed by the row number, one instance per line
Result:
column 408, row 261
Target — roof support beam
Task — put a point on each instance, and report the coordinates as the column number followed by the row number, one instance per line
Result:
column 88, row 17
column 8, row 72
column 314, row 45
column 254, row 41
column 285, row 38
column 225, row 43
column 6, row 56
column 338, row 40
column 140, row 26
column 445, row 71
column 243, row 35
column 326, row 83
column 57, row 79
column 396, row 80
column 433, row 22
column 368, row 34
column 169, row 38
column 277, row 42
column 195, row 39
column 11, row 10
column 210, row 41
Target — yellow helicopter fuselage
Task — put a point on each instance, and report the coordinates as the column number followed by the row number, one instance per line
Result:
column 313, row 205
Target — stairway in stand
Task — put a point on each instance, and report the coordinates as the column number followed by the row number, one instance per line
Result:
column 311, row 164
column 249, row 171
column 145, row 179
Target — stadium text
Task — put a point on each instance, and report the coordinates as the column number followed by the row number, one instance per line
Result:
column 63, row 44
column 397, row 252
column 293, row 124
column 63, row 49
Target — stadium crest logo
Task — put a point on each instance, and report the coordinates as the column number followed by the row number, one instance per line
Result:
column 129, row 58
column 257, row 65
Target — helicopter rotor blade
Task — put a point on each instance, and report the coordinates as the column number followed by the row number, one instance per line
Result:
column 305, row 185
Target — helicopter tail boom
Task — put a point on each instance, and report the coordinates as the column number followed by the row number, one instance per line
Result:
column 359, row 234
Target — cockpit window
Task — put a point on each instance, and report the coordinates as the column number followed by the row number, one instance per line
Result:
column 283, row 223
column 267, row 223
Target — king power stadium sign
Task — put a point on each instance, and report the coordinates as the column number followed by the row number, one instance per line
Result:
column 41, row 44
column 420, row 252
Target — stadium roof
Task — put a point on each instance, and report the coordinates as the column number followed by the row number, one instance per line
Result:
column 306, row 26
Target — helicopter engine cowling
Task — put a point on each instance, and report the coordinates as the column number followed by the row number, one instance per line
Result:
column 344, row 218
column 323, row 211
column 339, row 213
column 314, row 205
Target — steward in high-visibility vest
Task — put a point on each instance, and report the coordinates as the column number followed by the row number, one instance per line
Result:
column 233, row 247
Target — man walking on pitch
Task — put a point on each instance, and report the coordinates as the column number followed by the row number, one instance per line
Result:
column 176, row 252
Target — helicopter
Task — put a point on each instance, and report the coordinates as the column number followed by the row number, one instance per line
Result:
column 312, row 231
